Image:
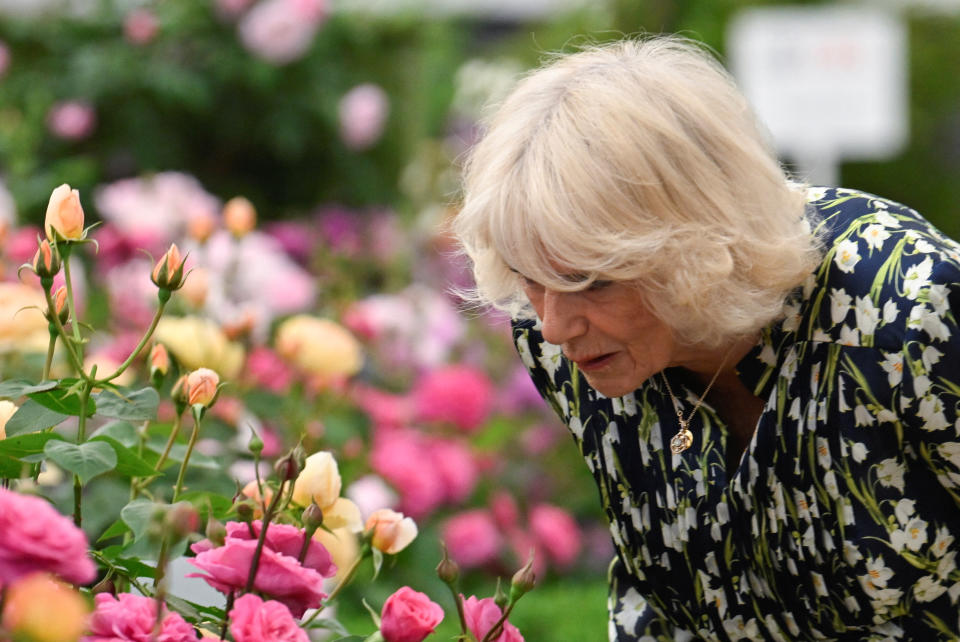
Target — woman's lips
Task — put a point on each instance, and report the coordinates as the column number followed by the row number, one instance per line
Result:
column 595, row 363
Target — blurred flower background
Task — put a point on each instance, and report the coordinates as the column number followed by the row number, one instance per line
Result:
column 302, row 154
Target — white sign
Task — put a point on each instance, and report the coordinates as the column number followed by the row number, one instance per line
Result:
column 828, row 82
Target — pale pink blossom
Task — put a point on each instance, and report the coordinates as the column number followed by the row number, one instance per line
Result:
column 140, row 26
column 459, row 395
column 409, row 616
column 363, row 113
column 518, row 393
column 482, row 615
column 456, row 467
column 131, row 618
column 556, row 532
column 254, row 620
column 400, row 456
column 279, row 574
column 371, row 493
column 265, row 369
column 72, row 119
column 281, row 31
column 38, row 538
column 385, row 410
column 472, row 538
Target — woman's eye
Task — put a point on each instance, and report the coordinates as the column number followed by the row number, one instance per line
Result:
column 599, row 285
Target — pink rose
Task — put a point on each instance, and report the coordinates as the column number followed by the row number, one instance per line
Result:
column 409, row 616
column 266, row 369
column 129, row 617
column 400, row 456
column 482, row 615
column 459, row 394
column 72, row 119
column 455, row 466
column 253, row 620
column 279, row 574
column 281, row 31
column 472, row 538
column 363, row 113
column 140, row 26
column 556, row 532
column 38, row 538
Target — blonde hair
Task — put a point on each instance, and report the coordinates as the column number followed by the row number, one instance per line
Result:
column 639, row 160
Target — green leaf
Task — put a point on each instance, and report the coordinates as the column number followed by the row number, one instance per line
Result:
column 31, row 417
column 115, row 530
column 179, row 451
column 129, row 464
column 137, row 515
column 10, row 468
column 202, row 499
column 84, row 460
column 122, row 431
column 377, row 562
column 129, row 404
column 25, row 445
column 330, row 624
column 373, row 613
column 64, row 402
column 18, row 388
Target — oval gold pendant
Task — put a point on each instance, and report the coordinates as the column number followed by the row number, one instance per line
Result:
column 681, row 441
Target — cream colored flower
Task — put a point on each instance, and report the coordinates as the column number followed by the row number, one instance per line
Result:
column 318, row 346
column 343, row 514
column 23, row 327
column 7, row 408
column 342, row 545
column 319, row 482
column 200, row 343
column 64, row 214
column 391, row 532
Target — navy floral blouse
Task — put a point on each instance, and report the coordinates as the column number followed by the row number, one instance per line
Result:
column 841, row 520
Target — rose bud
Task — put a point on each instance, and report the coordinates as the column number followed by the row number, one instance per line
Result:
column 523, row 580
column 239, row 216
column 181, row 519
column 64, row 220
column 60, row 303
column 216, row 532
column 159, row 360
column 287, row 468
column 168, row 272
column 201, row 387
column 312, row 518
column 46, row 262
column 389, row 531
column 178, row 393
column 447, row 569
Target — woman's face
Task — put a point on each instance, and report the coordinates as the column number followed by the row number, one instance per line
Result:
column 608, row 331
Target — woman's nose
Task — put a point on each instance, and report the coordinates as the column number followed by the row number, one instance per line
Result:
column 561, row 317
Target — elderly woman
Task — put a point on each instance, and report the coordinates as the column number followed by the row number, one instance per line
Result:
column 763, row 377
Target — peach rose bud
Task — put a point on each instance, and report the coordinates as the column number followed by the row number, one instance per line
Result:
column 168, row 272
column 390, row 531
column 159, row 360
column 60, row 303
column 64, row 218
column 46, row 262
column 239, row 216
column 201, row 387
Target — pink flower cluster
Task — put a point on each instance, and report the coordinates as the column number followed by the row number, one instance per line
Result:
column 477, row 537
column 279, row 574
column 38, row 538
column 255, row 620
column 131, row 618
column 428, row 471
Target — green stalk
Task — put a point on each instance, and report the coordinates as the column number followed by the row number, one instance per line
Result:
column 81, row 436
column 197, row 414
column 143, row 341
column 51, row 346
column 75, row 360
column 65, row 253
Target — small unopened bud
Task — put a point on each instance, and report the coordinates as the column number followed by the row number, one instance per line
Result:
column 168, row 272
column 159, row 361
column 181, row 519
column 216, row 532
column 500, row 598
column 239, row 216
column 287, row 468
column 60, row 303
column 245, row 511
column 447, row 570
column 105, row 585
column 523, row 580
column 312, row 518
column 201, row 387
column 46, row 262
column 179, row 394
column 255, row 445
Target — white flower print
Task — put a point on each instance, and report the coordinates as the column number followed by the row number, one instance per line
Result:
column 792, row 316
column 859, row 452
column 951, row 452
column 928, row 589
column 717, row 598
column 923, row 317
column 917, row 278
column 830, row 483
column 947, row 565
column 893, row 366
column 930, row 357
column 523, row 348
column 921, row 385
column 839, row 305
column 938, row 294
column 876, row 577
column 913, row 535
column 819, row 585
column 890, row 311
column 931, row 411
column 737, row 629
column 849, row 336
column 550, row 357
column 862, row 416
column 905, row 510
column 823, row 452
column 943, row 541
column 847, row 256
column 886, row 219
column 815, row 193
column 631, row 608
column 924, row 247
column 867, row 314
column 890, row 473
column 875, row 235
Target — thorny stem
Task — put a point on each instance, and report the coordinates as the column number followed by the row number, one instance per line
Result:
column 226, row 619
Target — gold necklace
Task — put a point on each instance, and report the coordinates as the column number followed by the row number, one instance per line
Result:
column 682, row 440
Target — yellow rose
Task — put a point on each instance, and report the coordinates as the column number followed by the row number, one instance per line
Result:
column 23, row 327
column 343, row 513
column 318, row 346
column 30, row 603
column 7, row 408
column 342, row 545
column 64, row 214
column 318, row 482
column 200, row 343
column 390, row 531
